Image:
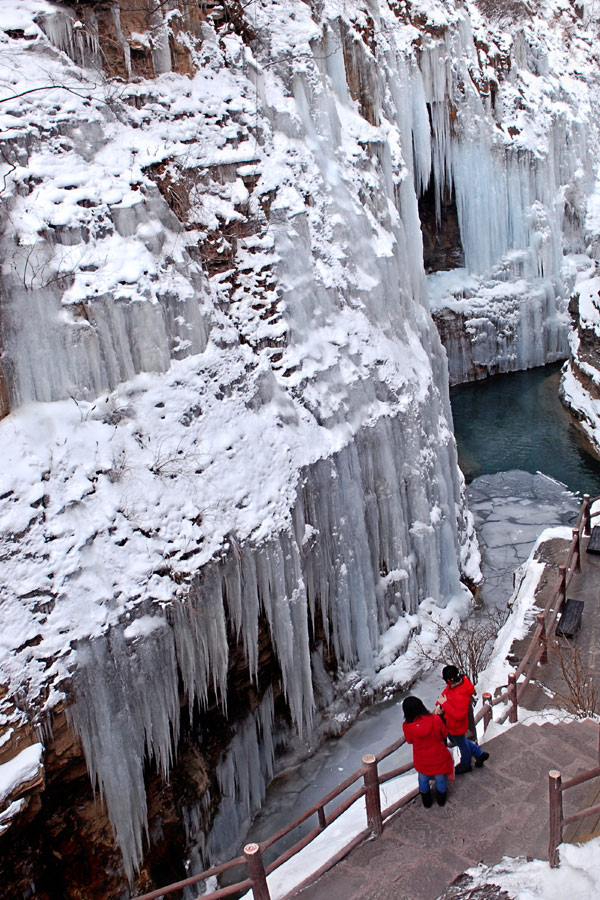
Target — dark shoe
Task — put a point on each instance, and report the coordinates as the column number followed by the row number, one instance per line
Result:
column 441, row 798
column 481, row 759
column 461, row 768
column 427, row 799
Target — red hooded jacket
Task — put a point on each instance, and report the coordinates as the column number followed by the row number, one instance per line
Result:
column 428, row 734
column 456, row 705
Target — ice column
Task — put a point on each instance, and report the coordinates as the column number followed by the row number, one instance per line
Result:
column 126, row 711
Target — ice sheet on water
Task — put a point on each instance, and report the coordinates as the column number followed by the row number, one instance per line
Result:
column 494, row 534
column 523, row 512
column 502, row 547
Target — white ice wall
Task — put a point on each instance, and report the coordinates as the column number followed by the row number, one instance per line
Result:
column 519, row 168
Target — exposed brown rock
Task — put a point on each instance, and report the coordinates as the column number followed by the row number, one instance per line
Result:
column 361, row 72
column 442, row 247
column 129, row 30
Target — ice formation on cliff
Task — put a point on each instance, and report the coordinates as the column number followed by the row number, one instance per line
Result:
column 580, row 382
column 229, row 398
column 518, row 157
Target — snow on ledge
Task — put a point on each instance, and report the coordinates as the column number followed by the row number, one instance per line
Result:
column 23, row 768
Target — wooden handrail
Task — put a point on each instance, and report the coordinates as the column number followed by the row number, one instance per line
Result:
column 291, row 851
column 394, row 773
column 346, row 804
column 532, row 646
column 332, row 861
column 387, row 751
column 582, row 814
column 314, row 809
column 555, row 803
column 194, row 879
column 580, row 779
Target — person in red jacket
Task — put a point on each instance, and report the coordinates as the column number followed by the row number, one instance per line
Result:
column 432, row 759
column 453, row 705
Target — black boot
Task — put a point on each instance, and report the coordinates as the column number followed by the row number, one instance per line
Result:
column 461, row 768
column 427, row 799
column 479, row 761
column 441, row 797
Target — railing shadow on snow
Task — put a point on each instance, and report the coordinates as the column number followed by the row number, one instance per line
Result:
column 371, row 780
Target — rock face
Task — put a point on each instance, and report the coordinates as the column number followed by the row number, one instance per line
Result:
column 229, row 465
column 498, row 327
column 580, row 380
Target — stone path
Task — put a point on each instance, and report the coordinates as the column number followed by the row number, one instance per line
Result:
column 501, row 809
column 491, row 812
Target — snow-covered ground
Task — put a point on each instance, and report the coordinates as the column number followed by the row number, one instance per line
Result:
column 578, row 876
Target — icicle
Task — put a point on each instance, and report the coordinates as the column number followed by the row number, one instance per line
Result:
column 126, row 709
column 79, row 42
column 243, row 774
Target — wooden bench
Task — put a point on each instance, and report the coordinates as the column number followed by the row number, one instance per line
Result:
column 570, row 618
column 594, row 541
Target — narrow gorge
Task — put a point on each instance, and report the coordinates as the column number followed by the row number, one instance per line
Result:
column 246, row 248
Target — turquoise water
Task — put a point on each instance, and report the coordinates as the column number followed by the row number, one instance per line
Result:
column 517, row 421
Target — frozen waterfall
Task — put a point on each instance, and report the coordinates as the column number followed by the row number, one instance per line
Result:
column 519, row 199
column 363, row 515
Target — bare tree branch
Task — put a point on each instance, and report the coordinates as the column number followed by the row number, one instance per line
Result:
column 581, row 697
column 47, row 87
column 468, row 647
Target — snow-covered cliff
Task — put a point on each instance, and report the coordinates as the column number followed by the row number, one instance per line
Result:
column 227, row 435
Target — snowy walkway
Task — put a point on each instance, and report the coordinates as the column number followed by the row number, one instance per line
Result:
column 499, row 810
column 491, row 812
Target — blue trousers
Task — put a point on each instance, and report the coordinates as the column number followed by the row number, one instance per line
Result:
column 467, row 748
column 441, row 783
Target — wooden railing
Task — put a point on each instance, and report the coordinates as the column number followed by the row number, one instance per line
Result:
column 368, row 775
column 537, row 651
column 557, row 818
column 556, row 788
column 366, row 780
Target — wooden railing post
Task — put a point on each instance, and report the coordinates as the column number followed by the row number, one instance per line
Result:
column 577, row 542
column 556, row 817
column 513, row 698
column 256, row 871
column 543, row 638
column 372, row 798
column 562, row 584
column 487, row 709
column 587, row 517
